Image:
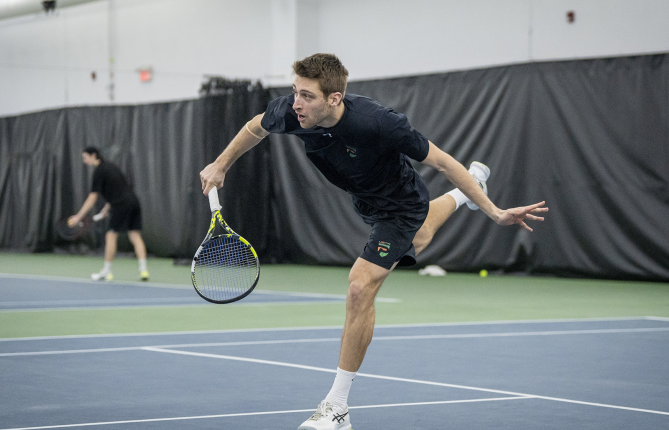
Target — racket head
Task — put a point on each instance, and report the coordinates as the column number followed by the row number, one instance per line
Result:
column 74, row 232
column 225, row 269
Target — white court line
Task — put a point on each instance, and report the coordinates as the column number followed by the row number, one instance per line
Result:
column 313, row 328
column 101, row 302
column 338, row 339
column 657, row 319
column 526, row 333
column 92, row 282
column 184, row 305
column 320, row 295
column 415, row 381
column 177, row 286
column 247, row 414
column 183, row 287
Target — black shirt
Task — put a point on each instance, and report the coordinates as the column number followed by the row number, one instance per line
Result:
column 109, row 181
column 366, row 153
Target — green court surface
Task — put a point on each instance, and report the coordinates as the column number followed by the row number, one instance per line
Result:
column 457, row 297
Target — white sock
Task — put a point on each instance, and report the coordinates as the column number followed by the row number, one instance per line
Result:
column 142, row 265
column 107, row 268
column 459, row 197
column 338, row 395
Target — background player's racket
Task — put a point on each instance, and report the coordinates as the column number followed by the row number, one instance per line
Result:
column 225, row 267
column 76, row 231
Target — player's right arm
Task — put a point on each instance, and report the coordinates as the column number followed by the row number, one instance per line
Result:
column 87, row 206
column 248, row 137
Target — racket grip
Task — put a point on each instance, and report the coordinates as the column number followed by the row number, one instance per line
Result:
column 213, row 200
column 97, row 217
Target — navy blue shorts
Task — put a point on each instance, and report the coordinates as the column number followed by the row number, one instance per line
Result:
column 391, row 239
column 126, row 216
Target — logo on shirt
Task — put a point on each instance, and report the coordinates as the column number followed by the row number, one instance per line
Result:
column 327, row 134
column 383, row 248
column 350, row 151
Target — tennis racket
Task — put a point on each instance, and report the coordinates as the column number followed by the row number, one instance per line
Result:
column 225, row 267
column 76, row 231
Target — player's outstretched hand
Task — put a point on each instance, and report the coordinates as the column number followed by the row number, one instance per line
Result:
column 519, row 215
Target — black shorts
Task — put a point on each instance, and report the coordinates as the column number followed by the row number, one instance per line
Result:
column 126, row 216
column 391, row 239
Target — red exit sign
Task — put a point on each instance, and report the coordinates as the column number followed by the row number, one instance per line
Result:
column 145, row 75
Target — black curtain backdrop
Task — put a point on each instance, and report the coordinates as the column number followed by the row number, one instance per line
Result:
column 591, row 137
column 160, row 147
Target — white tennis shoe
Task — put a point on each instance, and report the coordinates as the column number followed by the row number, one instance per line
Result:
column 328, row 417
column 481, row 173
column 102, row 276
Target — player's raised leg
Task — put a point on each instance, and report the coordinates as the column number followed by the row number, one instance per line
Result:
column 444, row 206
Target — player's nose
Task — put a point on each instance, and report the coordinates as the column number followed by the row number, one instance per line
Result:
column 296, row 103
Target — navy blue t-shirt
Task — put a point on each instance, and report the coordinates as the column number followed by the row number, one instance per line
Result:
column 366, row 154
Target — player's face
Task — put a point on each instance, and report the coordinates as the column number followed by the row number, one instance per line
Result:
column 89, row 159
column 311, row 106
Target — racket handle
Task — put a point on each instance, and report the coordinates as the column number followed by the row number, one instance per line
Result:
column 213, row 200
column 97, row 217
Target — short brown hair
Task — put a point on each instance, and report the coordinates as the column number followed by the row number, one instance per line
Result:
column 326, row 69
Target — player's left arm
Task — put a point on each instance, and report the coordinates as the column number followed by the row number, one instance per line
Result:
column 460, row 177
column 85, row 208
column 104, row 212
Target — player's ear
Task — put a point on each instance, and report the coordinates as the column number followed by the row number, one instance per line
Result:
column 335, row 98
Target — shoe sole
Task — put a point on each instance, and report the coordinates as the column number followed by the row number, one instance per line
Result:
column 307, row 428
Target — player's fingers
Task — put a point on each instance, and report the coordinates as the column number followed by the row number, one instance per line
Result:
column 530, row 210
column 525, row 226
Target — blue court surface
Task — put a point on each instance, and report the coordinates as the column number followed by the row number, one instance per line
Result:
column 560, row 374
column 18, row 293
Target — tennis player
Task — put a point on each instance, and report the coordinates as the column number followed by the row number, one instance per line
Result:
column 122, row 207
column 364, row 149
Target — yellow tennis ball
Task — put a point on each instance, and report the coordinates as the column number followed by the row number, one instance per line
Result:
column 483, row 273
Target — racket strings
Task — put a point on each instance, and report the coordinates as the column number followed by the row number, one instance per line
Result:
column 226, row 268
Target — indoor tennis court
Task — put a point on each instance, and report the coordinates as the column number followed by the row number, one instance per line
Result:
column 496, row 352
column 425, row 215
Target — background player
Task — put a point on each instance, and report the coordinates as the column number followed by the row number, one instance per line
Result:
column 123, row 208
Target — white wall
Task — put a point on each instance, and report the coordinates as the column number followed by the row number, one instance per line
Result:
column 46, row 61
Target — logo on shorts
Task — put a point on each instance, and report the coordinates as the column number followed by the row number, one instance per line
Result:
column 383, row 248
column 350, row 151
